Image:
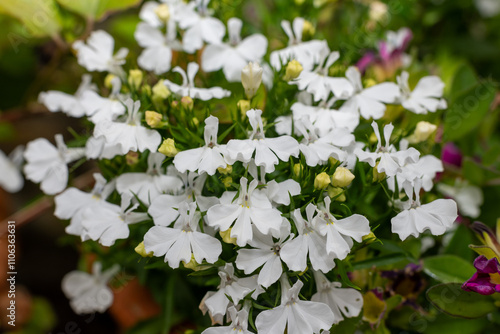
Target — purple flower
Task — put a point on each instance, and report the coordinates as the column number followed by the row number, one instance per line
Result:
column 451, row 155
column 486, row 280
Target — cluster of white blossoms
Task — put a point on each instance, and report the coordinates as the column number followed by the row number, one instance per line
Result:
column 276, row 230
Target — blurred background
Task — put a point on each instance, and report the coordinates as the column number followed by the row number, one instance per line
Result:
column 36, row 56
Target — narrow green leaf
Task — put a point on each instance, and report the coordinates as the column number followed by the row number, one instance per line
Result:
column 448, row 268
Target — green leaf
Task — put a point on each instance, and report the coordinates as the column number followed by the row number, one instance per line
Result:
column 459, row 243
column 468, row 110
column 465, row 78
column 97, row 9
column 452, row 300
column 41, row 18
column 448, row 268
column 379, row 261
column 446, row 324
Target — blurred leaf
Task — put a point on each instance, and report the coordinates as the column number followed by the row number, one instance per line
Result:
column 476, row 173
column 379, row 261
column 492, row 155
column 452, row 300
column 465, row 78
column 448, row 268
column 40, row 17
column 97, row 9
column 446, row 324
column 459, row 243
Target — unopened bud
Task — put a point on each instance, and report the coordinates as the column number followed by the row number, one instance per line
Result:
column 321, row 181
column 369, row 238
column 227, row 181
column 196, row 122
column 153, row 119
column 160, row 91
column 132, row 158
column 297, row 169
column 377, row 176
column 336, row 193
column 342, row 177
column 187, row 102
column 422, row 132
column 308, row 30
column 227, row 170
column 226, row 236
column 370, row 82
column 251, row 78
column 141, row 250
column 174, row 104
column 108, row 81
column 244, row 106
column 163, row 12
column 168, row 148
column 135, row 78
column 293, row 70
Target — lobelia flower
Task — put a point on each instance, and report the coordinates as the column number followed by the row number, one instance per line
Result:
column 204, row 159
column 148, row 186
column 108, row 222
column 469, row 198
column 232, row 57
column 306, row 53
column 239, row 323
column 100, row 108
column 183, row 241
column 426, row 97
column 437, row 216
column 188, row 89
column 11, row 178
column 251, row 78
column 131, row 135
column 72, row 203
column 308, row 241
column 340, row 232
column 47, row 164
column 391, row 160
column 346, row 302
column 267, row 150
column 369, row 102
column 199, row 25
column 97, row 54
column 318, row 82
column 486, row 280
column 251, row 209
column 298, row 316
column 265, row 254
column 89, row 293
column 97, row 148
column 69, row 104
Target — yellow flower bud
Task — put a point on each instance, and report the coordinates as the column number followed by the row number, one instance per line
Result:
column 377, row 177
column 373, row 138
column 168, row 148
column 132, row 158
column 141, row 250
column 108, row 81
column 251, row 78
column 227, row 181
column 196, row 122
column 370, row 82
column 293, row 70
column 174, row 104
column 160, row 91
column 337, row 193
column 342, row 177
column 135, row 78
column 225, row 171
column 422, row 132
column 297, row 169
column 146, row 89
column 187, row 102
column 244, row 106
column 226, row 236
column 369, row 238
column 153, row 118
column 163, row 12
column 378, row 11
column 332, row 161
column 308, row 30
column 193, row 265
column 321, row 181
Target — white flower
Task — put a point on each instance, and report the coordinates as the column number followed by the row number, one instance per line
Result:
column 342, row 301
column 251, row 209
column 97, row 54
column 298, row 316
column 183, row 241
column 239, row 323
column 318, row 82
column 233, row 56
column 369, row 102
column 100, row 108
column 391, row 160
column 267, row 150
column 251, row 78
column 72, row 203
column 200, row 26
column 89, row 293
column 11, row 178
column 69, row 104
column 437, row 216
column 131, row 135
column 47, row 165
column 266, row 253
column 188, row 89
column 306, row 53
column 148, row 186
column 308, row 241
column 340, row 232
column 108, row 222
column 425, row 169
column 469, row 198
column 204, row 159
column 97, row 148
column 426, row 97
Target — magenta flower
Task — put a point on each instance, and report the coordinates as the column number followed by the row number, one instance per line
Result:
column 486, row 280
column 451, row 155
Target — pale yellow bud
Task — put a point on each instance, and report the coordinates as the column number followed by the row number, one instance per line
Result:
column 244, row 106
column 377, row 176
column 332, row 161
column 141, row 250
column 321, row 181
column 297, row 169
column 308, row 30
column 422, row 132
column 225, row 171
column 226, row 237
column 168, row 148
column 373, row 138
column 132, row 158
column 227, row 181
column 378, row 11
column 135, row 78
column 163, row 12
column 342, row 177
column 293, row 70
column 160, row 91
column 187, row 102
column 153, row 118
column 196, row 122
column 337, row 193
column 108, row 81
column 251, row 78
column 369, row 238
column 370, row 82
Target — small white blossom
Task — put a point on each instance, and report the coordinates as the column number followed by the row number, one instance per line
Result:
column 469, row 198
column 11, row 178
column 426, row 97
